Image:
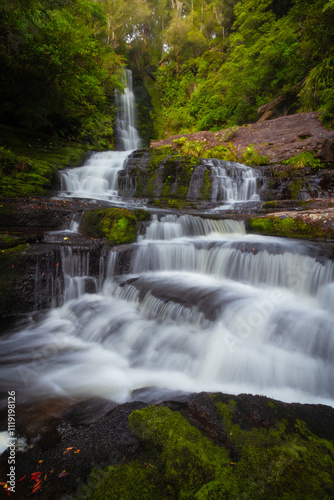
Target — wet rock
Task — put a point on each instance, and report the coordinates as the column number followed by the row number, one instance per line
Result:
column 88, row 412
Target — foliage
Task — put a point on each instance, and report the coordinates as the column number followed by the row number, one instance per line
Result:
column 57, row 73
column 248, row 53
column 252, row 157
column 227, row 153
column 205, row 65
column 29, row 161
column 305, row 159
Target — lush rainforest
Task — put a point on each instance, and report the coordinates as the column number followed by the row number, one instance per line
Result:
column 197, row 64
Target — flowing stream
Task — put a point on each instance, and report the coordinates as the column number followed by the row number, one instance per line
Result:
column 196, row 304
column 202, row 306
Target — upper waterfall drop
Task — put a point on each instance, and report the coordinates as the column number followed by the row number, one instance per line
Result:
column 126, row 117
column 98, row 177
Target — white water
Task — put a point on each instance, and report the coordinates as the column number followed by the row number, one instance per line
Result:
column 233, row 182
column 98, row 177
column 126, row 117
column 206, row 307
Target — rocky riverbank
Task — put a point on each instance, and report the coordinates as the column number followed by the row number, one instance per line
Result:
column 198, row 446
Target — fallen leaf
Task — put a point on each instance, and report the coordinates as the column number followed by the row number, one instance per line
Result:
column 37, row 487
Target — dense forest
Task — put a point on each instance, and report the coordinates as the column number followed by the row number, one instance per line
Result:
column 197, row 64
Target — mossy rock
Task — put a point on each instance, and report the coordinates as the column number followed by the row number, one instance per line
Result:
column 205, row 191
column 117, row 225
column 142, row 215
column 10, row 241
column 164, row 173
column 280, row 461
column 176, row 461
column 288, row 227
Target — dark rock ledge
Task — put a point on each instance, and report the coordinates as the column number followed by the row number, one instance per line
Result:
column 263, row 443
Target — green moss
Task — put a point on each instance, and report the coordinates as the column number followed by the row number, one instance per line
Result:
column 270, row 204
column 173, row 203
column 29, row 161
column 10, row 241
column 142, row 215
column 179, row 463
column 175, row 461
column 178, row 204
column 205, row 191
column 117, row 225
column 279, row 462
column 289, row 227
column 167, row 174
column 295, row 187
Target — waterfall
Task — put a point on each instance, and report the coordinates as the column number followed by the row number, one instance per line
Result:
column 98, row 177
column 126, row 118
column 199, row 305
column 233, row 181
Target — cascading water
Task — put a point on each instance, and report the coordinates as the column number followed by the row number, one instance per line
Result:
column 233, row 182
column 203, row 306
column 126, row 118
column 98, row 178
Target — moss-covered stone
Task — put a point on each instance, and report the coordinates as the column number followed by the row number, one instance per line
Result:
column 179, row 462
column 142, row 215
column 163, row 173
column 117, row 225
column 10, row 241
column 275, row 460
column 205, row 191
column 295, row 188
column 288, row 227
column 279, row 461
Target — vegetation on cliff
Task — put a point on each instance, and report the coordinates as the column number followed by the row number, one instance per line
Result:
column 29, row 161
